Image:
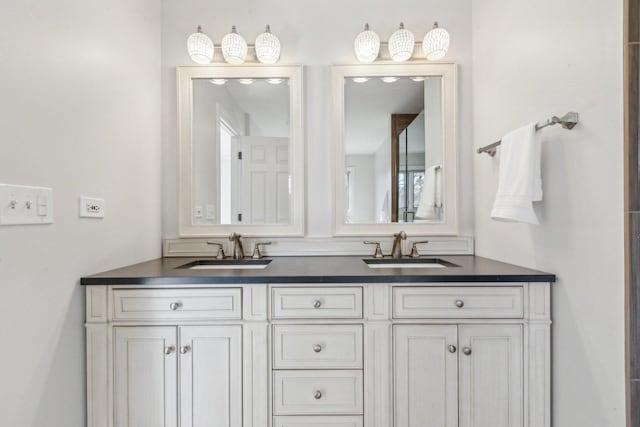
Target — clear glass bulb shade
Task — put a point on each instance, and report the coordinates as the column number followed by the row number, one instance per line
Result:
column 401, row 44
column 234, row 48
column 200, row 47
column 367, row 45
column 267, row 47
column 436, row 43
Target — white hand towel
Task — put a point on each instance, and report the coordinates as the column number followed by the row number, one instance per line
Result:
column 431, row 197
column 519, row 181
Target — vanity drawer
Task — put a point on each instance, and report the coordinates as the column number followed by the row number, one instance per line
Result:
column 317, row 392
column 179, row 304
column 457, row 302
column 316, row 303
column 317, row 346
column 316, row 421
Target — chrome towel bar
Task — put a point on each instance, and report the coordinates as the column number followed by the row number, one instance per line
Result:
column 568, row 121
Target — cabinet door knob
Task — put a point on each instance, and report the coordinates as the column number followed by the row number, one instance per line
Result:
column 317, row 348
column 317, row 395
column 452, row 349
column 317, row 303
column 185, row 349
column 169, row 350
column 466, row 351
column 459, row 303
column 174, row 306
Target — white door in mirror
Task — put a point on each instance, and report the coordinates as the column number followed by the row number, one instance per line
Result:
column 21, row 204
column 91, row 207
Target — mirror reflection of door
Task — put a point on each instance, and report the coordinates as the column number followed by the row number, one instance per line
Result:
column 240, row 144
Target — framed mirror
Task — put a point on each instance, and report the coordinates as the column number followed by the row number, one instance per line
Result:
column 394, row 144
column 241, row 150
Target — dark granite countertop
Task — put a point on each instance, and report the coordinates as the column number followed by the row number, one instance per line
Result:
column 317, row 269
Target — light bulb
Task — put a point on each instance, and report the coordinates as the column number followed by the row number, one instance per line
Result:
column 360, row 79
column 267, row 47
column 245, row 81
column 418, row 78
column 200, row 47
column 234, row 47
column 436, row 43
column 218, row 82
column 389, row 79
column 275, row 81
column 401, row 44
column 367, row 45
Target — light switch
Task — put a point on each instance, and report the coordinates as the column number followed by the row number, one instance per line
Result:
column 197, row 211
column 20, row 204
column 210, row 211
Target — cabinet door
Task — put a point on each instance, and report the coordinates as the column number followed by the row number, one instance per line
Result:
column 145, row 375
column 491, row 387
column 426, row 376
column 211, row 376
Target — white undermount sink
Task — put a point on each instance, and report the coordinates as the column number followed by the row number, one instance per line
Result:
column 227, row 264
column 408, row 263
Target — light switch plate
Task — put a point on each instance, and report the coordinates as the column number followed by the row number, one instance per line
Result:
column 21, row 204
column 91, row 207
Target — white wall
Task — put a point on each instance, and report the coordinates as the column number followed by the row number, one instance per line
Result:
column 532, row 60
column 80, row 112
column 363, row 208
column 315, row 34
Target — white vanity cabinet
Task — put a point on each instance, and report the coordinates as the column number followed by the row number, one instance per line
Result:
column 319, row 355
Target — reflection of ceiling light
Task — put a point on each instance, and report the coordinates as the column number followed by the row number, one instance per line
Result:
column 234, row 47
column 401, row 44
column 418, row 78
column 389, row 79
column 245, row 81
column 218, row 82
column 200, row 47
column 367, row 45
column 360, row 79
column 275, row 81
column 436, row 43
column 267, row 47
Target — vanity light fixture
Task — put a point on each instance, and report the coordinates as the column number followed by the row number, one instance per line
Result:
column 267, row 47
column 275, row 81
column 436, row 43
column 418, row 78
column 245, row 81
column 389, row 79
column 200, row 47
column 234, row 47
column 218, row 82
column 360, row 79
column 367, row 45
column 401, row 44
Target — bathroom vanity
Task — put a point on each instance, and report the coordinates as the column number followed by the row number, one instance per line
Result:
column 319, row 341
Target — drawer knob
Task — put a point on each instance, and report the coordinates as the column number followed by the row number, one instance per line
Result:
column 317, row 303
column 452, row 349
column 466, row 351
column 185, row 349
column 174, row 306
column 169, row 350
column 317, row 348
column 459, row 303
column 317, row 395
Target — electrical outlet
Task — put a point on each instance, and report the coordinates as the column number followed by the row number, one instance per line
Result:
column 197, row 211
column 91, row 207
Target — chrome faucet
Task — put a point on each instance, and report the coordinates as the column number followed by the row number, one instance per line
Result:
column 396, row 250
column 238, row 252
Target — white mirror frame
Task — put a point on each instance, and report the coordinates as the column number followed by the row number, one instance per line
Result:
column 449, row 224
column 185, row 75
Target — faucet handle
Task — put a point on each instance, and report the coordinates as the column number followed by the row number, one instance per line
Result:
column 220, row 254
column 378, row 253
column 234, row 236
column 414, row 249
column 256, row 249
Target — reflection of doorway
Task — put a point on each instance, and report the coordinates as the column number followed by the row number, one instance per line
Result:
column 228, row 173
column 399, row 124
